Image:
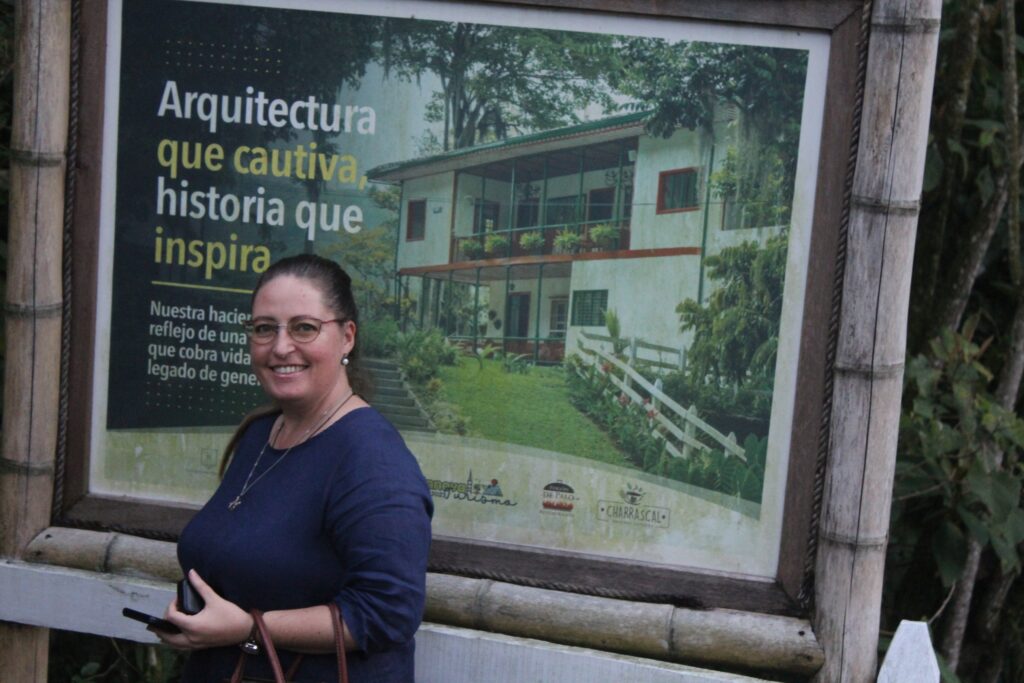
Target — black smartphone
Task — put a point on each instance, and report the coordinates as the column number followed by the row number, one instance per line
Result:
column 189, row 600
column 148, row 619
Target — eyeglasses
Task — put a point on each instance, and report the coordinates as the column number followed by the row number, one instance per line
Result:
column 301, row 330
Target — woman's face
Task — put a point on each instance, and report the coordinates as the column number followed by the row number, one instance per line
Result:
column 292, row 373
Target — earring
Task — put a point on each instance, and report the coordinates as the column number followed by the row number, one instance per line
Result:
column 344, row 360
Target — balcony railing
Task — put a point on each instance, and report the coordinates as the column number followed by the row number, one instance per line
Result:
column 566, row 238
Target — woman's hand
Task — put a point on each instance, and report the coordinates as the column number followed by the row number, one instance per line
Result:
column 219, row 623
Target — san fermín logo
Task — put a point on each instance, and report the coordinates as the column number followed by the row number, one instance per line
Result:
column 630, row 511
column 486, row 492
column 558, row 498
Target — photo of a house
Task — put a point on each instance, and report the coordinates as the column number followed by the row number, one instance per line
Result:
column 547, row 232
column 575, row 248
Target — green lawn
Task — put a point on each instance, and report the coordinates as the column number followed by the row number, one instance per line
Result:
column 528, row 409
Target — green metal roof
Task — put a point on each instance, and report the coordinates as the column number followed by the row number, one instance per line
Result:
column 532, row 138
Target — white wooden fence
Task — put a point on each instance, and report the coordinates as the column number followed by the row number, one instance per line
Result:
column 635, row 350
column 679, row 426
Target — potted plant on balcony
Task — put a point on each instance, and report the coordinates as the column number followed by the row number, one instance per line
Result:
column 496, row 245
column 567, row 242
column 532, row 241
column 472, row 249
column 604, row 235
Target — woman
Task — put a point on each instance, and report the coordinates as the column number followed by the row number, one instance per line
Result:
column 321, row 501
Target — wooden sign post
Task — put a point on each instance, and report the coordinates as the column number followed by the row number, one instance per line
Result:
column 884, row 205
column 33, row 306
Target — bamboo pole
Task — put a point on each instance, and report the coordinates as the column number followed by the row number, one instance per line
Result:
column 872, row 337
column 713, row 637
column 33, row 303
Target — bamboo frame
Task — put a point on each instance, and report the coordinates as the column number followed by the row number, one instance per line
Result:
column 32, row 310
column 709, row 637
column 847, row 579
column 872, row 340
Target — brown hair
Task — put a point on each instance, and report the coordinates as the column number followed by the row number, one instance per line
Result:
column 335, row 287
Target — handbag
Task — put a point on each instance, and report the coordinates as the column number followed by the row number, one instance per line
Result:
column 275, row 663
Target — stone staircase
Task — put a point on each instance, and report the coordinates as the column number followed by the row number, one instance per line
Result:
column 392, row 397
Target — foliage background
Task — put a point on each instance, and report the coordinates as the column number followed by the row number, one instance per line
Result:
column 957, row 525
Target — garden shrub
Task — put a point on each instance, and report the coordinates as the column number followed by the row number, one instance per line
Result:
column 632, row 427
column 445, row 416
column 378, row 338
column 421, row 352
column 745, row 410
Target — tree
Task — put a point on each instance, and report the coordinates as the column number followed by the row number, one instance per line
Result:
column 736, row 335
column 967, row 267
column 687, row 84
column 497, row 81
column 369, row 255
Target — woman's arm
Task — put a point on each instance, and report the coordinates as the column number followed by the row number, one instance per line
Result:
column 378, row 514
column 222, row 623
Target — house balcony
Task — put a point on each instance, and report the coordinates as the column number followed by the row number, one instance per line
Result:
column 565, row 238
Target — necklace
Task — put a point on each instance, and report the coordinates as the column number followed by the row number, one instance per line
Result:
column 250, row 482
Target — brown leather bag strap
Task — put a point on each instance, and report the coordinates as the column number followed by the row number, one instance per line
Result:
column 339, row 641
column 236, row 675
column 296, row 663
column 268, row 646
column 275, row 663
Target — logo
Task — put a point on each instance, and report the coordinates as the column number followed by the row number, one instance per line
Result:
column 486, row 492
column 632, row 494
column 630, row 511
column 558, row 497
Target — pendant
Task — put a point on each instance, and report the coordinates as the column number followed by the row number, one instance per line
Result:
column 235, row 503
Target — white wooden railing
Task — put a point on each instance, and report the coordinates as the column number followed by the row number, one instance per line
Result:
column 635, row 348
column 681, row 424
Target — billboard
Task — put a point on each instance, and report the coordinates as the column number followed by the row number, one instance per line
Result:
column 581, row 257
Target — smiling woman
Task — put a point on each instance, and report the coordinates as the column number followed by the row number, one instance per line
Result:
column 320, row 502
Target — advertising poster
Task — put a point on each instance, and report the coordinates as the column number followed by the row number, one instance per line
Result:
column 579, row 255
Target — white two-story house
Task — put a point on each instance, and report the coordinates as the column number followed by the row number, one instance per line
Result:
column 526, row 242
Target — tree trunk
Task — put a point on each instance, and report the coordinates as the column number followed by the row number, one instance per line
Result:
column 1013, row 367
column 948, row 127
column 960, row 608
column 993, row 600
column 949, row 311
column 1012, row 124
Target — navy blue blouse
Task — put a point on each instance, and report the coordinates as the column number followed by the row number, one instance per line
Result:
column 344, row 516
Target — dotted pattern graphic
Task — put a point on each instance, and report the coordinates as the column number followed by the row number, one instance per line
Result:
column 223, row 57
column 193, row 397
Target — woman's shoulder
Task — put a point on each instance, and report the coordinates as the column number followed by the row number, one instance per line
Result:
column 371, row 441
column 366, row 424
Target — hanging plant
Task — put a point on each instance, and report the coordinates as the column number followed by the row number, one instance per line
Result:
column 604, row 235
column 567, row 242
column 496, row 245
column 532, row 241
column 472, row 249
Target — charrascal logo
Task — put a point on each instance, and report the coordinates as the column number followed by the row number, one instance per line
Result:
column 485, row 492
column 558, row 497
column 629, row 510
column 632, row 494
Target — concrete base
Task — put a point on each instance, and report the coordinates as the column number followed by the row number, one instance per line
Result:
column 446, row 654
